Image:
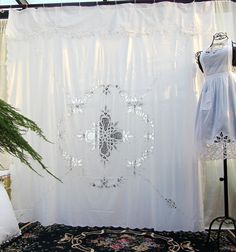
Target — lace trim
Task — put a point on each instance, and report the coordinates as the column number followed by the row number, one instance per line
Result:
column 49, row 33
column 223, row 147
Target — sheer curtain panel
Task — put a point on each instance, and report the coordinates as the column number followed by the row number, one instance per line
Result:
column 115, row 90
column 4, row 159
column 3, row 52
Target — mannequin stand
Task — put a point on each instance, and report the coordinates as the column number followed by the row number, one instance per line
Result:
column 226, row 219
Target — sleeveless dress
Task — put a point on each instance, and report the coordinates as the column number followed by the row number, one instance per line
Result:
column 215, row 123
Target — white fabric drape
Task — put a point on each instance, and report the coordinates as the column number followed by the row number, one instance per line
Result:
column 4, row 158
column 115, row 89
column 8, row 223
column 3, row 51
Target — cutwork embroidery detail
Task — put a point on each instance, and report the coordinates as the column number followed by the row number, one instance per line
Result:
column 135, row 164
column 106, row 89
column 77, row 105
column 134, row 104
column 222, row 139
column 222, row 147
column 105, row 135
column 108, row 183
column 72, row 161
column 109, row 135
column 170, row 203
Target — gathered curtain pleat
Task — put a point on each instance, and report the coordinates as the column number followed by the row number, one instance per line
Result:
column 3, row 51
column 3, row 80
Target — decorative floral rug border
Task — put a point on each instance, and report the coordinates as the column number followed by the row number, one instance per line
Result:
column 57, row 237
column 77, row 241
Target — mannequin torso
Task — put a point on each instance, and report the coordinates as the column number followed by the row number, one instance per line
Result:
column 219, row 40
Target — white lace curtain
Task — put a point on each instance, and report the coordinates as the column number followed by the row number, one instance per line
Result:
column 115, row 89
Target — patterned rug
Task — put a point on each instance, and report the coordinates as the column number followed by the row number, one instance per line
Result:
column 36, row 237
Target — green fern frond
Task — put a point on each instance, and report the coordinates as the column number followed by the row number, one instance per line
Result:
column 12, row 127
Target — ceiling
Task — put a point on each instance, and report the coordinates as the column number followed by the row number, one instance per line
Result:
column 3, row 2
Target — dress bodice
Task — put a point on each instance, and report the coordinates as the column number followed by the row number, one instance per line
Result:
column 218, row 60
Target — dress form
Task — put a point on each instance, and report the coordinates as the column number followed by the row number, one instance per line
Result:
column 215, row 127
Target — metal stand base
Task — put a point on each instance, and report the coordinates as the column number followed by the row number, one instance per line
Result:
column 221, row 220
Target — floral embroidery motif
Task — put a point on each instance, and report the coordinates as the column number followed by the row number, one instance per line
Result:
column 108, row 183
column 109, row 135
column 149, row 136
column 138, row 162
column 222, row 139
column 134, row 104
column 91, row 136
column 106, row 89
column 77, row 105
column 171, row 203
column 105, row 134
column 134, row 164
column 72, row 161
column 222, row 147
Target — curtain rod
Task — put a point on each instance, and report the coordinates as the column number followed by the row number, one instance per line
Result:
column 104, row 2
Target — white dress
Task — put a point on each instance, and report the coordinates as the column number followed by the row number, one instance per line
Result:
column 8, row 223
column 215, row 125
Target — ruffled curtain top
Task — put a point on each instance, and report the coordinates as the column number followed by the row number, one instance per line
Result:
column 126, row 19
